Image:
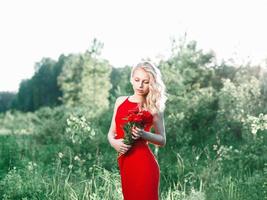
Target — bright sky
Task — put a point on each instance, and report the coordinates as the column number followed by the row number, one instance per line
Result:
column 129, row 29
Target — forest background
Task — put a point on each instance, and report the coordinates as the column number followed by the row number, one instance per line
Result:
column 53, row 131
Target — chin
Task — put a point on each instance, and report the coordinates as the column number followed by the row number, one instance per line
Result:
column 141, row 93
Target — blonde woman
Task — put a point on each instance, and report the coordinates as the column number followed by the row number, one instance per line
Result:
column 139, row 169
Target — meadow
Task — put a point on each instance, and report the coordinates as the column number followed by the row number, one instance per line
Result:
column 215, row 120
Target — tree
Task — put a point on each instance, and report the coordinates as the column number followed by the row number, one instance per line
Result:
column 24, row 98
column 6, row 99
column 120, row 80
column 45, row 88
column 85, row 80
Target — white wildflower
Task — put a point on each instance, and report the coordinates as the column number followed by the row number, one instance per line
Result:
column 30, row 166
column 77, row 158
column 60, row 155
column 83, row 119
column 93, row 133
column 254, row 131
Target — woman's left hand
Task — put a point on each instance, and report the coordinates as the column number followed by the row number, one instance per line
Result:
column 137, row 132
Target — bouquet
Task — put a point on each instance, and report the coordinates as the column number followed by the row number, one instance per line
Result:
column 138, row 119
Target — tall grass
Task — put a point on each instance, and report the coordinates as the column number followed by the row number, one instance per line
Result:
column 70, row 159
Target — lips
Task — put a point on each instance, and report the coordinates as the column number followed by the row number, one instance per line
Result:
column 139, row 90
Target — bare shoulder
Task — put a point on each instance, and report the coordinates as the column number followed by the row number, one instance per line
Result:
column 119, row 100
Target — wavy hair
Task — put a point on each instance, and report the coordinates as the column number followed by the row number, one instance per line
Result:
column 156, row 97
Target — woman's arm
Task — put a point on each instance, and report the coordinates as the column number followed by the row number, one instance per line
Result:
column 117, row 144
column 157, row 138
column 111, row 132
column 112, row 129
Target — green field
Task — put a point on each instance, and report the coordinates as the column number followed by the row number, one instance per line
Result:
column 53, row 134
column 68, row 157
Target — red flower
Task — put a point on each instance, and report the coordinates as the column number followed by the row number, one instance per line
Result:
column 135, row 118
column 147, row 117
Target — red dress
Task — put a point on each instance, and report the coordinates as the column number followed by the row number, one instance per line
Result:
column 139, row 169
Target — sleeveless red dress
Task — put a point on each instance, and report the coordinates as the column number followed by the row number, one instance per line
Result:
column 139, row 169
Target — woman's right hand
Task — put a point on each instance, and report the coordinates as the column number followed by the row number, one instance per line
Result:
column 120, row 147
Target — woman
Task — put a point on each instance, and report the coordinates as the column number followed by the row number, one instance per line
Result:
column 139, row 169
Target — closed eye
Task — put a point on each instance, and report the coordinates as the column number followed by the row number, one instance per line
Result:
column 146, row 82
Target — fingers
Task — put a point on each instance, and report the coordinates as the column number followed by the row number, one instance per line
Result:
column 135, row 136
column 126, row 145
column 121, row 143
column 124, row 148
column 136, row 133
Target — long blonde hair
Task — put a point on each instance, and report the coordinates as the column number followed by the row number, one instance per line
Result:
column 156, row 97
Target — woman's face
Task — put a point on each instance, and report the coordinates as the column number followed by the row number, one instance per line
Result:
column 140, row 81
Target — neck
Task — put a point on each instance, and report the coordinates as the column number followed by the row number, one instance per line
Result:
column 138, row 98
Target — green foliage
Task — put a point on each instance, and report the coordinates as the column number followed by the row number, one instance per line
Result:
column 223, row 71
column 12, row 185
column 84, row 81
column 23, row 184
column 193, row 65
column 120, row 80
column 263, row 84
column 50, row 125
column 42, row 89
column 16, row 122
column 45, row 88
column 215, row 122
column 6, row 99
column 236, row 101
column 10, row 154
column 24, row 98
